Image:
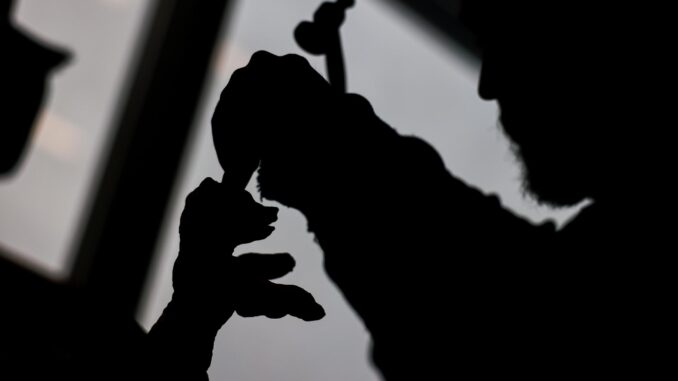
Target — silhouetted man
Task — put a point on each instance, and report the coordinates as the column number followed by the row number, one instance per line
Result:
column 449, row 283
column 52, row 331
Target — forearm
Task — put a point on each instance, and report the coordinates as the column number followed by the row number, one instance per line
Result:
column 181, row 342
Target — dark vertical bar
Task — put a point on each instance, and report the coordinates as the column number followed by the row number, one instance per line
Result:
column 130, row 203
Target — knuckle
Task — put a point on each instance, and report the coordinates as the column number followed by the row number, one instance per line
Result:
column 262, row 57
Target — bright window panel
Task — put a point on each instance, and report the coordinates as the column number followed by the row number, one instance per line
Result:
column 45, row 202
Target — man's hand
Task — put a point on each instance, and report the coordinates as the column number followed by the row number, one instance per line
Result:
column 278, row 113
column 269, row 106
column 209, row 281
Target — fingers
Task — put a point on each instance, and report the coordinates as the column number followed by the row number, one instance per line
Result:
column 275, row 301
column 269, row 72
column 225, row 213
column 302, row 305
column 249, row 232
column 259, row 297
column 263, row 266
column 249, row 220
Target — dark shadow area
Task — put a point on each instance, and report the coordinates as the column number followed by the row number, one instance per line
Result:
column 47, row 330
column 446, row 280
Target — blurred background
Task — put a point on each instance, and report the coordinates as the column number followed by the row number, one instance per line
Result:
column 75, row 204
column 44, row 203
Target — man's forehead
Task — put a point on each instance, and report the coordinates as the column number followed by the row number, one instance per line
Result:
column 490, row 19
column 488, row 14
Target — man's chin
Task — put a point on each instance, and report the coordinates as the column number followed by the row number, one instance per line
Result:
column 552, row 183
column 552, row 194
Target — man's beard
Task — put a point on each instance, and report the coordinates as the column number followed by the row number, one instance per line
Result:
column 550, row 168
column 547, row 182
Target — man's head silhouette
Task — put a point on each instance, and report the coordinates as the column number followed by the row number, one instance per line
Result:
column 24, row 67
column 566, row 81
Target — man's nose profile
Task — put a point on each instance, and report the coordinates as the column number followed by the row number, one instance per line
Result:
column 487, row 81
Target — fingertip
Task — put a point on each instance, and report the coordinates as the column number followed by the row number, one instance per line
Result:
column 263, row 233
column 275, row 314
column 256, row 266
column 312, row 313
column 318, row 312
column 269, row 214
column 287, row 260
column 281, row 261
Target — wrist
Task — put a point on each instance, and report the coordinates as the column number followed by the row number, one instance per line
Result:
column 182, row 338
column 199, row 311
